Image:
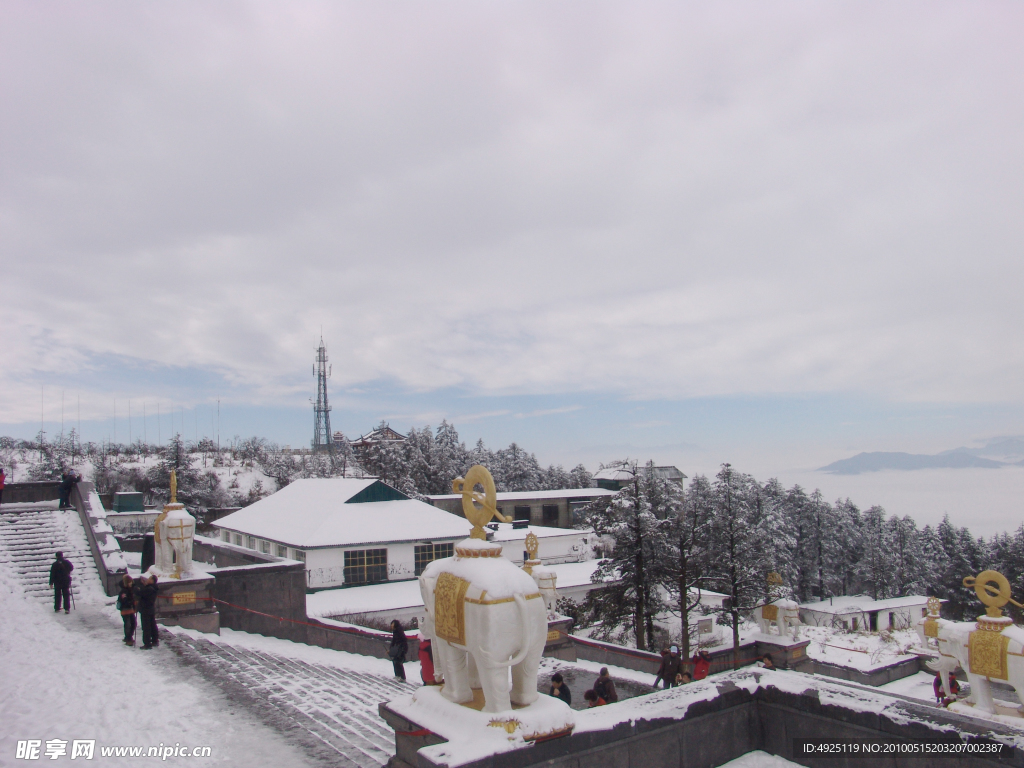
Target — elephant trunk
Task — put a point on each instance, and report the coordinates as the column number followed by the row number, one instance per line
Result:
column 527, row 638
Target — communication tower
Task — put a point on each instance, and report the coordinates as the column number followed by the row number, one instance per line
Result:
column 322, row 436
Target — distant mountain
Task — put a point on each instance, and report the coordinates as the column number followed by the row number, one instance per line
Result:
column 958, row 458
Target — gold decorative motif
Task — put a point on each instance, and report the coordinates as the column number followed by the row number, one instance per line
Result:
column 993, row 589
column 509, row 725
column 481, row 601
column 934, row 606
column 532, row 545
column 770, row 612
column 183, row 598
column 797, row 653
column 774, row 579
column 494, row 551
column 174, row 487
column 931, row 628
column 478, row 516
column 987, row 654
column 449, row 608
column 553, row 636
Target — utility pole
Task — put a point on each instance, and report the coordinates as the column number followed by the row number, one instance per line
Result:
column 322, row 438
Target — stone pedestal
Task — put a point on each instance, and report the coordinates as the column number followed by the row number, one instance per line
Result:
column 786, row 652
column 559, row 645
column 187, row 603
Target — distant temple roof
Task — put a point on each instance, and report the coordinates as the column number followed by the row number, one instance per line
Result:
column 383, row 434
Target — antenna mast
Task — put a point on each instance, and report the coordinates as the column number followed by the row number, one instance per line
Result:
column 322, row 437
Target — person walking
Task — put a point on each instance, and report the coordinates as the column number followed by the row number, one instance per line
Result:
column 126, row 605
column 146, row 603
column 671, row 665
column 426, row 654
column 605, row 687
column 60, row 580
column 559, row 689
column 398, row 649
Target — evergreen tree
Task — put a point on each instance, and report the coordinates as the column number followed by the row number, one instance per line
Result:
column 691, row 534
column 739, row 561
column 639, row 521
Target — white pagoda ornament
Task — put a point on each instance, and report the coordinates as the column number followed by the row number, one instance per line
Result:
column 173, row 534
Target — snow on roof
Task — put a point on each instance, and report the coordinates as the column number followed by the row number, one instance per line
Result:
column 505, row 532
column 395, row 595
column 846, row 604
column 613, row 473
column 313, row 513
column 565, row 493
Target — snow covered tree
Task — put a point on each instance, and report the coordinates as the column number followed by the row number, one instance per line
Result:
column 691, row 535
column 580, row 477
column 739, row 563
column 516, row 470
column 451, row 459
column 639, row 520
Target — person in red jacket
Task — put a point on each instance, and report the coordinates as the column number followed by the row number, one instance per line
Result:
column 426, row 655
column 701, row 665
column 3, row 477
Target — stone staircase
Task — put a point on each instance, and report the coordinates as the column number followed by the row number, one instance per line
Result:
column 30, row 535
column 331, row 710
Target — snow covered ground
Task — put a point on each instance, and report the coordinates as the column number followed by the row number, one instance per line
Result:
column 858, row 650
column 69, row 677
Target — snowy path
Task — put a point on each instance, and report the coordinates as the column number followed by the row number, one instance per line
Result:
column 69, row 677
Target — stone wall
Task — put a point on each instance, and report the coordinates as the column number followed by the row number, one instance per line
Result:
column 735, row 722
column 30, row 493
column 874, row 677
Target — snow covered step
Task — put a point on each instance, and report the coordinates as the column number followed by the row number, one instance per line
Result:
column 30, row 537
column 336, row 708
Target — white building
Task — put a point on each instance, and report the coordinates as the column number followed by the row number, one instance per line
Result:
column 347, row 531
column 352, row 532
column 855, row 613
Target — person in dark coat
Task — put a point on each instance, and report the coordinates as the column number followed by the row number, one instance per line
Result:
column 398, row 649
column 671, row 665
column 426, row 655
column 126, row 605
column 768, row 662
column 605, row 687
column 559, row 689
column 3, row 479
column 701, row 665
column 146, row 602
column 60, row 580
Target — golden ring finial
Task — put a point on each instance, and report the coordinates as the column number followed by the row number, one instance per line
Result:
column 993, row 589
column 934, row 606
column 478, row 516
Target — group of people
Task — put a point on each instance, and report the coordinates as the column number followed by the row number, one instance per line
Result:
column 672, row 671
column 602, row 693
column 137, row 599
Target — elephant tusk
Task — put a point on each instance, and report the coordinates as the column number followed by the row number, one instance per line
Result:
column 527, row 638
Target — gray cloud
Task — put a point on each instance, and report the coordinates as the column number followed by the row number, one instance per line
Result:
column 666, row 201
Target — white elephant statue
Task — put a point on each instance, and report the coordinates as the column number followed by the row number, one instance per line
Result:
column 484, row 616
column 784, row 614
column 990, row 649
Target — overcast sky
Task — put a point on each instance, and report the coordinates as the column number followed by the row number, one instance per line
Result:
column 594, row 228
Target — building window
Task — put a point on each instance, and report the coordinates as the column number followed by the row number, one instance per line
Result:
column 251, row 542
column 522, row 513
column 366, row 566
column 298, row 554
column 238, row 539
column 551, row 514
column 226, row 536
column 265, row 547
column 282, row 550
column 427, row 553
